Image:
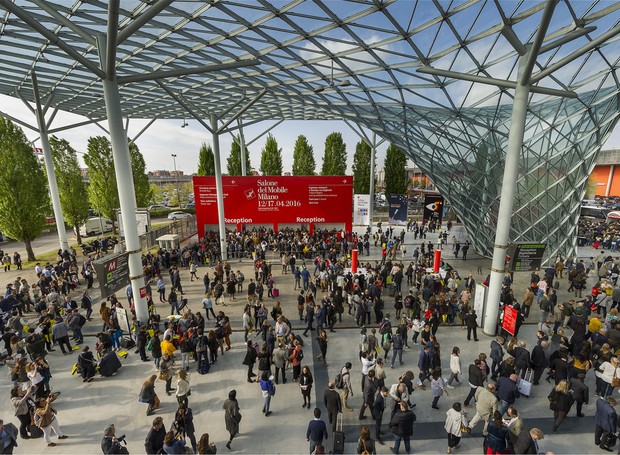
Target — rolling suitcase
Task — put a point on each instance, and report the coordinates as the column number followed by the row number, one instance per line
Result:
column 275, row 292
column 338, row 436
column 525, row 383
column 391, row 290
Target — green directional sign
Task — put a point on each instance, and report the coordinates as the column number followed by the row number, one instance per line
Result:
column 527, row 257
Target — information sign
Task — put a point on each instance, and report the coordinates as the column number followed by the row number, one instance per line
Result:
column 112, row 273
column 527, row 257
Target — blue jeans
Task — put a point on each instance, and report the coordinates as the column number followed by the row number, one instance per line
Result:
column 397, row 440
column 174, row 307
column 503, row 406
column 313, row 444
column 267, row 403
column 398, row 352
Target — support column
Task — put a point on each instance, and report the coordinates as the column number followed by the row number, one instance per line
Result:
column 373, row 152
column 509, row 186
column 218, row 186
column 49, row 168
column 244, row 171
column 126, row 194
column 612, row 167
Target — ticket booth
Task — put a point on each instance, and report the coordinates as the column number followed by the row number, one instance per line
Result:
column 169, row 242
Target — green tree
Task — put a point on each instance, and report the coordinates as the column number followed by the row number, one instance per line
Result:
column 206, row 161
column 23, row 188
column 303, row 157
column 335, row 158
column 234, row 159
column 178, row 199
column 271, row 158
column 141, row 184
column 361, row 168
column 157, row 194
column 71, row 187
column 395, row 171
column 102, row 188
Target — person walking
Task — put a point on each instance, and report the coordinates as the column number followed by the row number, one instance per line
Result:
column 581, row 392
column 183, row 389
column 305, row 384
column 507, row 391
column 154, row 442
column 401, row 426
column 365, row 444
column 347, row 389
column 370, row 389
column 322, row 340
column 606, row 420
column 471, row 324
column 527, row 442
column 316, row 431
column 456, row 419
column 165, row 372
column 497, row 355
column 455, row 367
column 268, row 389
column 333, row 403
column 424, row 364
column 438, row 387
column 249, row 360
column 496, row 439
column 232, row 416
column 279, row 357
column 397, row 348
column 184, row 423
column 476, row 379
column 378, row 407
column 561, row 401
column 486, row 405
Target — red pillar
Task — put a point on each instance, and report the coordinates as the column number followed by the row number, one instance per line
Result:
column 353, row 261
column 437, row 261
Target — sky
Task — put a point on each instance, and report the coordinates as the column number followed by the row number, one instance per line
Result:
column 165, row 137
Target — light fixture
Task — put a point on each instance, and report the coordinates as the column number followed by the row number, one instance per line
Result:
column 332, row 85
column 184, row 124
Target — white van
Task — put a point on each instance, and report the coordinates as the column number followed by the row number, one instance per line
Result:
column 93, row 226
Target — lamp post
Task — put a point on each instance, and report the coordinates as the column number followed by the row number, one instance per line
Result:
column 176, row 177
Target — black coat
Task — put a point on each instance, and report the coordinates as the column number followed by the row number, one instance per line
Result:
column 525, row 443
column 154, row 442
column 538, row 358
column 332, row 401
column 402, row 423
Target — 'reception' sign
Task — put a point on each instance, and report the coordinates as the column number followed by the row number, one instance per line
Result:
column 275, row 200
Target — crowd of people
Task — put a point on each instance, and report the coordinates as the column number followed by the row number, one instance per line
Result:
column 572, row 341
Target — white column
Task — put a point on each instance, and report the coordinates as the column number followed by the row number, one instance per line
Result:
column 609, row 179
column 244, row 171
column 373, row 151
column 218, row 186
column 49, row 168
column 509, row 186
column 126, row 194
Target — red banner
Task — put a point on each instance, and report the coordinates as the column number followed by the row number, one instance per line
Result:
column 509, row 323
column 275, row 200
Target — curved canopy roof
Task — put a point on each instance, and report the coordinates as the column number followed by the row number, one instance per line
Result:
column 364, row 54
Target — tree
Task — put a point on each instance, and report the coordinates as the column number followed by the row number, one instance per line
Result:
column 361, row 168
column 206, row 160
column 271, row 158
column 335, row 158
column 303, row 157
column 157, row 194
column 395, row 171
column 141, row 184
column 24, row 202
column 71, row 188
column 178, row 199
column 102, row 188
column 234, row 159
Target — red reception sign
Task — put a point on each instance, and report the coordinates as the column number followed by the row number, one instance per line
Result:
column 275, row 200
column 509, row 323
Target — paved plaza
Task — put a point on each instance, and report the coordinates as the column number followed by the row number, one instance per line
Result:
column 84, row 410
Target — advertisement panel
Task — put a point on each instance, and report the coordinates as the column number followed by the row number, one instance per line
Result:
column 479, row 298
column 112, row 273
column 509, row 323
column 433, row 207
column 361, row 209
column 275, row 200
column 397, row 213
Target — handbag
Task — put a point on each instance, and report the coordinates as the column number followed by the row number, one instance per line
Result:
column 615, row 381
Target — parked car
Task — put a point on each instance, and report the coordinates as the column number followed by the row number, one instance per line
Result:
column 179, row 215
column 93, row 226
column 157, row 207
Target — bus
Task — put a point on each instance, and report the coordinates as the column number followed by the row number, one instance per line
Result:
column 592, row 212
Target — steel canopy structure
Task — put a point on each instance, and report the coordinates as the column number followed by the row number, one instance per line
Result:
column 437, row 78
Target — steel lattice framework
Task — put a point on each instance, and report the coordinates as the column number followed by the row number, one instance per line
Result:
column 211, row 57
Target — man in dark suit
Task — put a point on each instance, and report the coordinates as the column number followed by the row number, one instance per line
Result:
column 606, row 421
column 370, row 389
column 476, row 379
column 333, row 403
column 539, row 360
column 527, row 442
column 377, row 412
column 317, row 431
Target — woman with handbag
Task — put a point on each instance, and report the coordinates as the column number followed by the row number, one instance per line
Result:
column 232, row 416
column 148, row 395
column 268, row 389
column 305, row 384
column 165, row 372
column 184, row 423
column 45, row 418
column 183, row 390
column 456, row 422
column 560, row 402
